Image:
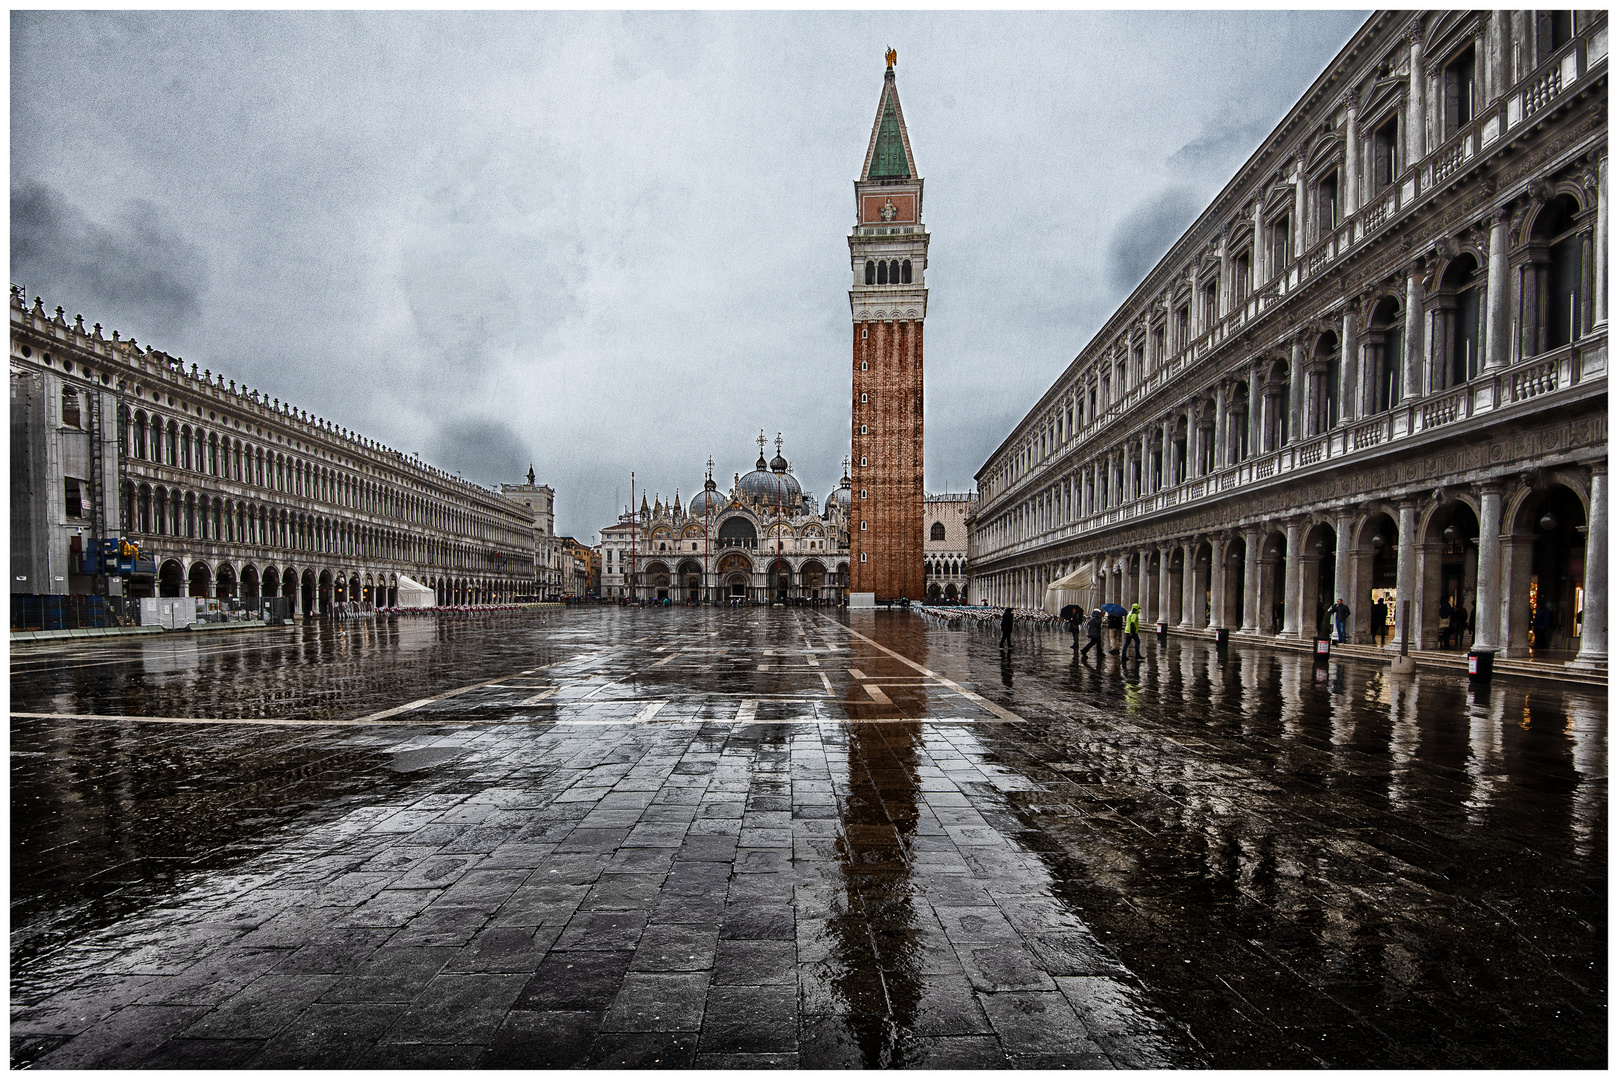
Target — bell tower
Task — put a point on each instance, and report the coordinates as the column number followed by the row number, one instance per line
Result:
column 888, row 256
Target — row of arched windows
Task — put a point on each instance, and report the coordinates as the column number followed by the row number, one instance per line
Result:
column 1549, row 306
column 887, row 272
column 163, row 511
column 950, row 568
column 148, row 437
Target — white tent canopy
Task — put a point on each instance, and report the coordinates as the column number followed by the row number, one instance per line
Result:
column 413, row 593
column 1079, row 588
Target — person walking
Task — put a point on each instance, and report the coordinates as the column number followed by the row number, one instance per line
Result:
column 1379, row 620
column 1007, row 621
column 1132, row 631
column 1339, row 615
column 1075, row 626
column 1115, row 630
column 1457, row 625
column 1092, row 631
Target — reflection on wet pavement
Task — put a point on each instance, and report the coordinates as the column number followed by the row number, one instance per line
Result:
column 765, row 838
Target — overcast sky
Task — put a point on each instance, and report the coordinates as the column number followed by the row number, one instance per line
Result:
column 601, row 241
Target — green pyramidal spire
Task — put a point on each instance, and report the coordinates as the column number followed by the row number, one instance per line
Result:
column 890, row 155
column 888, row 163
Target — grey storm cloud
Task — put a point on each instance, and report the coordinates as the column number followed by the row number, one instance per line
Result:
column 1146, row 232
column 483, row 451
column 1222, row 143
column 611, row 241
column 137, row 261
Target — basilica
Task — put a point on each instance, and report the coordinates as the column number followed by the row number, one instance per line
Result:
column 766, row 540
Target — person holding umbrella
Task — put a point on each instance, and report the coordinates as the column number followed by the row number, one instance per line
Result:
column 1070, row 615
column 1007, row 621
column 1115, row 626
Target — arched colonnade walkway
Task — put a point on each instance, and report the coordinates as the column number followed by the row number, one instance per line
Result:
column 1518, row 567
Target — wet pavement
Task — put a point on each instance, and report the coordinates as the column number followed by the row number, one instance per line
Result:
column 755, row 838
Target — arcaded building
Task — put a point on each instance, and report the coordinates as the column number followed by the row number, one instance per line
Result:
column 1374, row 368
column 888, row 255
column 228, row 492
column 946, row 568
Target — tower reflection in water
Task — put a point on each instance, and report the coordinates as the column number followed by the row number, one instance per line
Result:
column 876, row 948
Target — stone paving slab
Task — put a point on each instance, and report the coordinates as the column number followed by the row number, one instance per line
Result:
column 1014, row 861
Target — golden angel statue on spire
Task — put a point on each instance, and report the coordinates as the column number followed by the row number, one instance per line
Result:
column 892, row 56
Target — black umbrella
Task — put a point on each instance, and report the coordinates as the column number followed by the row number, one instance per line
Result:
column 1113, row 609
column 1070, row 611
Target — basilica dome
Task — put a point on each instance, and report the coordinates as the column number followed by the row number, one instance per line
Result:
column 841, row 497
column 771, row 483
column 708, row 501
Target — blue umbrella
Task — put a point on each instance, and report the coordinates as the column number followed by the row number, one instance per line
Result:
column 1113, row 609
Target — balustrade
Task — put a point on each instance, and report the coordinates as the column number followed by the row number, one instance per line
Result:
column 1443, row 410
column 1539, row 377
column 1539, row 93
column 1369, row 434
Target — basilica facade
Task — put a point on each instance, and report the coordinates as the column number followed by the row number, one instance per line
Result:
column 766, row 540
column 1374, row 369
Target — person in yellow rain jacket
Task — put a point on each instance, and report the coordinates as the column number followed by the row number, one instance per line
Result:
column 1132, row 631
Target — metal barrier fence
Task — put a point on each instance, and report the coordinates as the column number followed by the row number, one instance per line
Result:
column 39, row 611
column 53, row 611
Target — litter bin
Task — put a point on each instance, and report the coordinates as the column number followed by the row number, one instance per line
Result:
column 1221, row 637
column 1480, row 664
column 1162, row 631
column 1322, row 649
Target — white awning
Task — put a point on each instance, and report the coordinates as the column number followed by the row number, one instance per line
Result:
column 413, row 593
column 1078, row 587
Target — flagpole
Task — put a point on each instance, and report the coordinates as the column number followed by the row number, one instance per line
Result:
column 633, row 513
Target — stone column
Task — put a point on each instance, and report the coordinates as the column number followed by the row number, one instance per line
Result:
column 1221, row 427
column 1516, row 575
column 1253, row 539
column 1593, row 635
column 1216, row 583
column 1350, row 195
column 1188, row 580
column 1145, row 460
column 1359, row 606
column 1255, row 412
column 1415, row 335
column 1416, row 133
column 1497, row 324
column 1190, row 442
column 1293, row 627
column 1600, row 274
column 1408, row 588
column 1145, row 584
column 1298, row 391
column 1486, row 605
column 1348, row 364
column 1303, row 392
column 1163, row 607
column 1168, row 452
